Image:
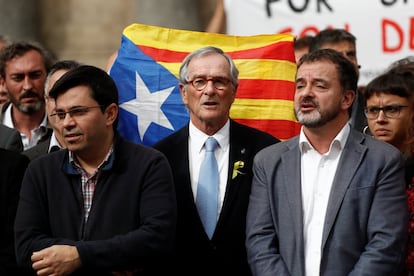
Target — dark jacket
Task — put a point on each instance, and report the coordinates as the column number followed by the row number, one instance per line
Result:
column 39, row 150
column 225, row 254
column 10, row 139
column 131, row 223
column 12, row 170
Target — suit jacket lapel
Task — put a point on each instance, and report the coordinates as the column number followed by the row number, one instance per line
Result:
column 184, row 169
column 349, row 162
column 292, row 181
column 237, row 152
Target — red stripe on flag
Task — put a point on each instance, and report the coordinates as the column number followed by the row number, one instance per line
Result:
column 281, row 129
column 163, row 55
column 276, row 51
column 265, row 89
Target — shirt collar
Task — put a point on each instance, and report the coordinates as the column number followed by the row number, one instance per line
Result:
column 53, row 142
column 198, row 138
column 339, row 140
column 8, row 120
column 106, row 163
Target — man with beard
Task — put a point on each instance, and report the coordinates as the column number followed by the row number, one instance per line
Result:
column 330, row 201
column 345, row 43
column 24, row 67
column 56, row 140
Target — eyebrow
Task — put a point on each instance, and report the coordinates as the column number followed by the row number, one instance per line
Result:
column 315, row 80
column 72, row 107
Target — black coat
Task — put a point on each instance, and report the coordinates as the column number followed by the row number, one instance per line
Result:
column 12, row 168
column 225, row 254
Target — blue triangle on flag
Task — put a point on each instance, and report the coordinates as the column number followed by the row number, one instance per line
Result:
column 142, row 84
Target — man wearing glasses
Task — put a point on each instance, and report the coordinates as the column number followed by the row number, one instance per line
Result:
column 103, row 206
column 56, row 141
column 212, row 218
column 330, row 201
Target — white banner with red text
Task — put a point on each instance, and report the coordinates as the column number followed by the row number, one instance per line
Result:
column 384, row 28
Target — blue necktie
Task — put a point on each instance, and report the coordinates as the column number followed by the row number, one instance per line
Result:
column 207, row 191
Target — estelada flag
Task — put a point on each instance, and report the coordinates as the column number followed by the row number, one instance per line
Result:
column 146, row 74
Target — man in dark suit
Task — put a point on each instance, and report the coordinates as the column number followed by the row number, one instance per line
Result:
column 10, row 139
column 208, row 84
column 332, row 200
column 13, row 166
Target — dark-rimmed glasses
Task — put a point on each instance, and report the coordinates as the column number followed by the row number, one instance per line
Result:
column 74, row 112
column 390, row 111
column 218, row 82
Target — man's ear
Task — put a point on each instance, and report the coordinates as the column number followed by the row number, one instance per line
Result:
column 111, row 112
column 183, row 92
column 348, row 98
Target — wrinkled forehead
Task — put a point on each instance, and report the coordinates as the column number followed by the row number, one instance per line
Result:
column 208, row 63
column 321, row 69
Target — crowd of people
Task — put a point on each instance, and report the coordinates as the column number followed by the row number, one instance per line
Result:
column 216, row 197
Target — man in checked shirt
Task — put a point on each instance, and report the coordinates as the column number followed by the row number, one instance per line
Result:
column 103, row 206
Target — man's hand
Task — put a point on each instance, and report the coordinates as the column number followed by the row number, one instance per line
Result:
column 56, row 260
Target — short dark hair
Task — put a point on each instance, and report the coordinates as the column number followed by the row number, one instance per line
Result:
column 102, row 86
column 64, row 64
column 18, row 49
column 398, row 81
column 348, row 77
column 61, row 65
column 303, row 42
column 331, row 36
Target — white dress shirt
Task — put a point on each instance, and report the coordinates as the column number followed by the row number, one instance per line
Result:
column 196, row 152
column 317, row 175
column 53, row 142
column 36, row 133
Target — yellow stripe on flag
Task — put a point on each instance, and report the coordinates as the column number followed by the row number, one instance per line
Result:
column 266, row 69
column 266, row 72
column 253, row 69
column 262, row 109
column 164, row 38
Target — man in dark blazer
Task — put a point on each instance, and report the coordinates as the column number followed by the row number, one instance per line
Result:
column 208, row 83
column 10, row 139
column 13, row 166
column 332, row 200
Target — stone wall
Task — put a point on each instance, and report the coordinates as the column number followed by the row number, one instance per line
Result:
column 90, row 30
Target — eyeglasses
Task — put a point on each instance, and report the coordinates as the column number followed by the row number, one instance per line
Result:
column 390, row 111
column 219, row 82
column 75, row 112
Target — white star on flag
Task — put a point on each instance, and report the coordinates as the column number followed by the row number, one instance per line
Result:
column 147, row 106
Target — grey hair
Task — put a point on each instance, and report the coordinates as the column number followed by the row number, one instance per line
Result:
column 60, row 65
column 205, row 51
